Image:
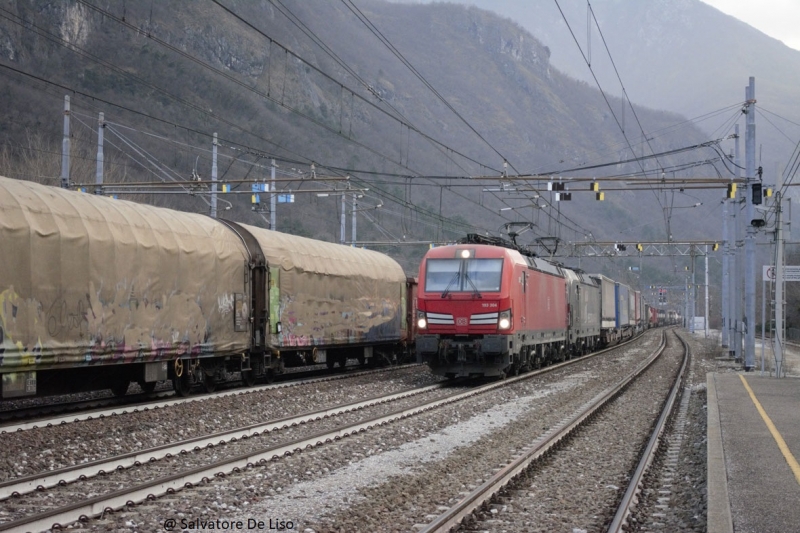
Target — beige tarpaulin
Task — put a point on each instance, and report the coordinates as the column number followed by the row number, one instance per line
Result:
column 329, row 294
column 87, row 280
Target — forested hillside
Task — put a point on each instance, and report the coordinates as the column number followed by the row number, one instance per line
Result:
column 307, row 82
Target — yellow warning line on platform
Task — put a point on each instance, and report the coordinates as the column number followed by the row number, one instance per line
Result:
column 787, row 453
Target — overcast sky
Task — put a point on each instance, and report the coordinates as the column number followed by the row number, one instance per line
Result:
column 777, row 18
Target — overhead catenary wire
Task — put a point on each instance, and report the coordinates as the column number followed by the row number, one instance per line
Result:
column 405, row 123
column 174, row 124
column 92, row 95
column 383, row 39
column 436, row 185
column 250, row 25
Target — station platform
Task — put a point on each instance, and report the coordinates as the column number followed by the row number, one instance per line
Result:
column 753, row 452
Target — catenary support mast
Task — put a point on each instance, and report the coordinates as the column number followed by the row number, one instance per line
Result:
column 750, row 240
column 65, row 147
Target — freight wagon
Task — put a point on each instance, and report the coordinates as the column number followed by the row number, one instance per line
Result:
column 97, row 293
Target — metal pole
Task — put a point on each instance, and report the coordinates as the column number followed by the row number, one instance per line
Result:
column 692, row 304
column 725, row 276
column 65, row 147
column 778, row 337
column 763, row 320
column 343, row 222
column 706, row 313
column 736, row 273
column 750, row 240
column 355, row 206
column 686, row 303
column 273, row 199
column 98, row 178
column 214, row 178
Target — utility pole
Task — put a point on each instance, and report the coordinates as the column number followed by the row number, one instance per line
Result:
column 778, row 336
column 706, row 314
column 214, row 177
column 686, row 319
column 65, row 147
column 692, row 295
column 343, row 221
column 725, row 275
column 750, row 240
column 273, row 206
column 737, row 269
column 98, row 178
column 355, row 206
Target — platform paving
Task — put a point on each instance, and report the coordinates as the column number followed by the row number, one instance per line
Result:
column 753, row 453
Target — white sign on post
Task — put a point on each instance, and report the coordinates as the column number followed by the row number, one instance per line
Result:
column 790, row 273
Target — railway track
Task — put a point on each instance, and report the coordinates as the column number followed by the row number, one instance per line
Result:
column 92, row 490
column 51, row 414
column 493, row 505
column 144, row 474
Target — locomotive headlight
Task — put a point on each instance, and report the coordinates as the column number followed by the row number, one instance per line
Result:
column 504, row 319
column 422, row 322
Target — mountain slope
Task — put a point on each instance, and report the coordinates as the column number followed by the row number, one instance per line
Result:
column 679, row 55
column 168, row 74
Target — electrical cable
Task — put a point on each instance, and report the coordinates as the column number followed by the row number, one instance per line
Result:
column 384, row 40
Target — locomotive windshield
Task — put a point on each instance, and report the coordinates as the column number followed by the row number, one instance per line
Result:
column 463, row 275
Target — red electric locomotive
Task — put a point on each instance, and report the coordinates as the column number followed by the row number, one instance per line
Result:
column 489, row 310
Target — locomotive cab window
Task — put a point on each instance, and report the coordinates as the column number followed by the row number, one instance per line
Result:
column 463, row 275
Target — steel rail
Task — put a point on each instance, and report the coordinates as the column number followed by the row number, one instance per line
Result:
column 469, row 504
column 135, row 408
column 82, row 510
column 631, row 498
column 70, row 474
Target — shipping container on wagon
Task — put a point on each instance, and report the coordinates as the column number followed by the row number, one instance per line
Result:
column 632, row 304
column 622, row 309
column 89, row 281
column 608, row 315
column 325, row 295
column 584, row 311
column 652, row 317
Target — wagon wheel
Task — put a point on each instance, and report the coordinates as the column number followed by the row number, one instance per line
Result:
column 147, row 386
column 209, row 382
column 248, row 377
column 120, row 387
column 182, row 384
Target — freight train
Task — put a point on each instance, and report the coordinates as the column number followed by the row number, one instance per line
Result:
column 488, row 308
column 96, row 293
